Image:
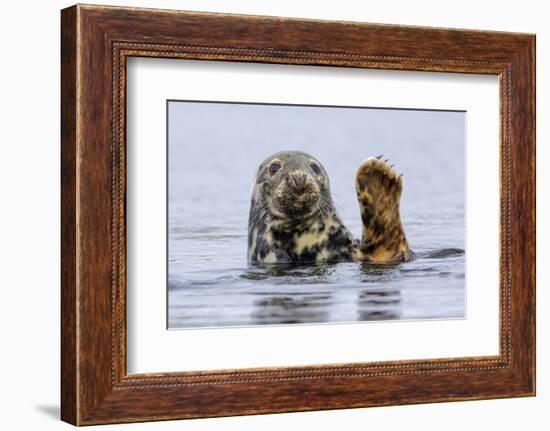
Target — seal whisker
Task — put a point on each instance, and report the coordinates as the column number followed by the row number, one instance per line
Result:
column 259, row 217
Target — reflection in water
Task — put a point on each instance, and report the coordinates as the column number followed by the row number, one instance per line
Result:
column 378, row 304
column 310, row 307
column 279, row 309
column 301, row 273
column 291, row 307
column 432, row 286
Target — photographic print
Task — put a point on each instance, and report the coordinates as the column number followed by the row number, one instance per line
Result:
column 298, row 214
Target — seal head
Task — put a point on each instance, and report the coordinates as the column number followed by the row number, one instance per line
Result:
column 292, row 217
column 293, row 185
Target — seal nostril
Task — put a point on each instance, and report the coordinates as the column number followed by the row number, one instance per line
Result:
column 299, row 181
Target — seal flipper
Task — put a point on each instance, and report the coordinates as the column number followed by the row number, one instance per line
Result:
column 379, row 191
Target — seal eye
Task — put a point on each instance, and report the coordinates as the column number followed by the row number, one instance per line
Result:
column 274, row 168
column 316, row 168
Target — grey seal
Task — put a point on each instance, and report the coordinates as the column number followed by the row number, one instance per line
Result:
column 293, row 219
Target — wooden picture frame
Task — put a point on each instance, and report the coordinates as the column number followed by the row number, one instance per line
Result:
column 95, row 43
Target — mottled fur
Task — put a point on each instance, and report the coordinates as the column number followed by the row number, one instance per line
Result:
column 378, row 190
column 293, row 219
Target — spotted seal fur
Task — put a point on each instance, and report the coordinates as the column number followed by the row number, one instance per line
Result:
column 293, row 220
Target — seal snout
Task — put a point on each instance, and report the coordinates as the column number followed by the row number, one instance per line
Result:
column 300, row 182
column 297, row 193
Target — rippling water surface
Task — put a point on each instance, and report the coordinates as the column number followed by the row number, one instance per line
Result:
column 214, row 150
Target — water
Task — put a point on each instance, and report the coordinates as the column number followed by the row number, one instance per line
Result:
column 214, row 150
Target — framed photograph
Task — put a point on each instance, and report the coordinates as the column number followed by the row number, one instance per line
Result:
column 264, row 214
